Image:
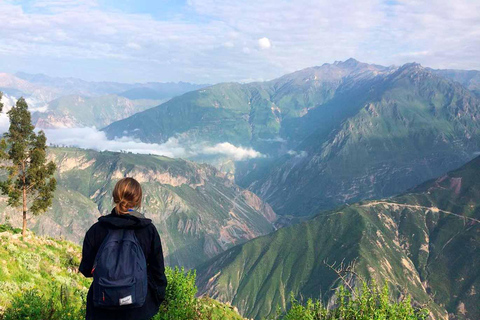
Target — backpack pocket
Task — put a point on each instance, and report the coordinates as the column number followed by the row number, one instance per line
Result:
column 115, row 293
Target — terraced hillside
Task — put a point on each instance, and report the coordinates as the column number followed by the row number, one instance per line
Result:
column 425, row 242
column 198, row 211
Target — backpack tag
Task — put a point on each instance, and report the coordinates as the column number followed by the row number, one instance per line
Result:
column 126, row 300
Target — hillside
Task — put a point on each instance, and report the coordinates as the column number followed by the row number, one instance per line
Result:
column 426, row 242
column 333, row 134
column 198, row 211
column 252, row 114
column 46, row 264
column 75, row 111
column 373, row 140
column 36, row 262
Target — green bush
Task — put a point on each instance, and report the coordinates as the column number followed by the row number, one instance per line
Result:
column 180, row 301
column 368, row 303
column 58, row 304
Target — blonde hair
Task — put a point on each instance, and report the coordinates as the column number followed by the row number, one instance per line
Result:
column 127, row 194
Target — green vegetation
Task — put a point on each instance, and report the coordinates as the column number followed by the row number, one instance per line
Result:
column 335, row 134
column 198, row 211
column 424, row 242
column 39, row 280
column 369, row 303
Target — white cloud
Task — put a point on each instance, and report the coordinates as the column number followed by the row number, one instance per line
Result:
column 84, row 39
column 228, row 149
column 264, row 43
column 91, row 138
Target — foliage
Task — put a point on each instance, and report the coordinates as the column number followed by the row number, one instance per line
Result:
column 58, row 304
column 180, row 296
column 24, row 155
column 369, row 304
column 181, row 303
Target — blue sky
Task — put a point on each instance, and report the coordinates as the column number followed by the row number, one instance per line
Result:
column 209, row 41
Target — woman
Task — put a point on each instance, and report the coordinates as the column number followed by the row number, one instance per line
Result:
column 127, row 196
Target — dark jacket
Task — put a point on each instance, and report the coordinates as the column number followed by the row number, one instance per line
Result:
column 149, row 240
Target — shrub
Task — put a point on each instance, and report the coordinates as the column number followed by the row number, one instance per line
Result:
column 58, row 304
column 180, row 301
column 368, row 303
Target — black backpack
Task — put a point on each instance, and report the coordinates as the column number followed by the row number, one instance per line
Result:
column 120, row 272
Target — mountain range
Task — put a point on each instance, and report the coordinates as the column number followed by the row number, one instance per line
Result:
column 425, row 242
column 197, row 210
column 71, row 102
column 333, row 134
column 341, row 153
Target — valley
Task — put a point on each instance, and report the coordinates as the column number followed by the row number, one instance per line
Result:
column 424, row 242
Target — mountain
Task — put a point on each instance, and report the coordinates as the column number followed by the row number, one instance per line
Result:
column 373, row 140
column 61, row 99
column 470, row 79
column 37, row 95
column 251, row 114
column 425, row 242
column 160, row 91
column 332, row 134
column 77, row 111
column 198, row 211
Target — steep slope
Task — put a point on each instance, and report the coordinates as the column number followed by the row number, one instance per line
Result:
column 375, row 139
column 425, row 242
column 197, row 210
column 77, row 111
column 250, row 114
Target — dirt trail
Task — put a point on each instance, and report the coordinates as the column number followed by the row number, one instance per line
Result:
column 417, row 207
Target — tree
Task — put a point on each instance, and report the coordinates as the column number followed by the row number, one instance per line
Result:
column 30, row 180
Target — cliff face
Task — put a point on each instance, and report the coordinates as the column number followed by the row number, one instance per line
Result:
column 198, row 211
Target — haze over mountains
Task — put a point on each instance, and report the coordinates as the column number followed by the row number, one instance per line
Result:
column 72, row 102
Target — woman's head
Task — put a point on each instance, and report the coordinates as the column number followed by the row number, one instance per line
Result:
column 127, row 194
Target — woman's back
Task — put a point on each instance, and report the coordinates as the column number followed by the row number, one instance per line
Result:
column 150, row 243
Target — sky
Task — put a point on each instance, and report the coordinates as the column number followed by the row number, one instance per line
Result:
column 211, row 41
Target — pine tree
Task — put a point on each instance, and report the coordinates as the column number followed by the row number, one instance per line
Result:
column 30, row 179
